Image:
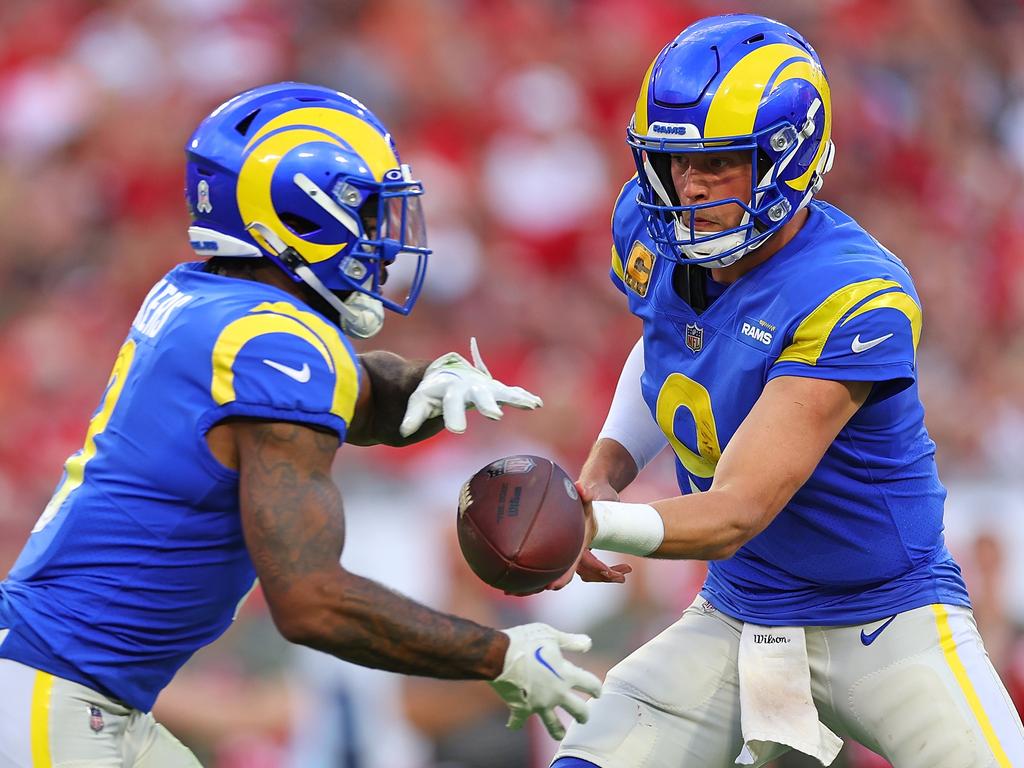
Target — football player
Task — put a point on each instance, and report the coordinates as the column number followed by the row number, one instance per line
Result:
column 778, row 360
column 208, row 462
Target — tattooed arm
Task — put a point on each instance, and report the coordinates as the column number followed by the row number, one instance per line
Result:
column 294, row 528
column 386, row 383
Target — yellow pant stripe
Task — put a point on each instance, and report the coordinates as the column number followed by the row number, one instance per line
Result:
column 40, row 721
column 960, row 672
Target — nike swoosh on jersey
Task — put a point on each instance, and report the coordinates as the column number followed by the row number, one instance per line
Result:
column 868, row 639
column 538, row 657
column 301, row 375
column 861, row 346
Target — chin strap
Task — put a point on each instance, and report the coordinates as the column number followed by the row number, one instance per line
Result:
column 360, row 315
column 712, row 247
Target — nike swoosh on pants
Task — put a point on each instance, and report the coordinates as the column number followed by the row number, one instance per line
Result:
column 869, row 638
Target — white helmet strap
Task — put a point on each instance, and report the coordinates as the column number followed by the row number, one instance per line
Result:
column 655, row 180
column 325, row 201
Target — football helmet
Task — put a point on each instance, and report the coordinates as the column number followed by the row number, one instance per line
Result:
column 733, row 82
column 310, row 179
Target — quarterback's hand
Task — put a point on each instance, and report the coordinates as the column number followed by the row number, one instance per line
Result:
column 451, row 385
column 588, row 565
column 536, row 678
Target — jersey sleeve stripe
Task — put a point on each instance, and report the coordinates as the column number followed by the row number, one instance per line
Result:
column 956, row 665
column 617, row 264
column 810, row 336
column 899, row 301
column 281, row 317
column 239, row 333
column 346, row 387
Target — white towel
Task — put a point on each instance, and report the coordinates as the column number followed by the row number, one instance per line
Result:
column 775, row 697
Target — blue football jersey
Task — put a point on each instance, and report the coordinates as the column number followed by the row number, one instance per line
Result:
column 138, row 559
column 862, row 539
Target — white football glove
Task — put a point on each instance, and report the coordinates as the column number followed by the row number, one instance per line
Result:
column 451, row 385
column 536, row 677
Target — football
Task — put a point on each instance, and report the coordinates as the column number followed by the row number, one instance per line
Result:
column 520, row 523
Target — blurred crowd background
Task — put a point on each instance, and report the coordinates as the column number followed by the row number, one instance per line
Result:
column 513, row 113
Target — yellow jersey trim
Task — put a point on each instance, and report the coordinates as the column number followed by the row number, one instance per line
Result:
column 346, row 388
column 282, row 317
column 810, row 336
column 617, row 263
column 74, row 467
column 899, row 301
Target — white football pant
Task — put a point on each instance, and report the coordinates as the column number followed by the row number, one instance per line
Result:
column 921, row 692
column 49, row 722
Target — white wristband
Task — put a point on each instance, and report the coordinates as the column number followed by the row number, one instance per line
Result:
column 634, row 529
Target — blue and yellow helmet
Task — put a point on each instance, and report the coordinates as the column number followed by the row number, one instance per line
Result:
column 734, row 82
column 309, row 178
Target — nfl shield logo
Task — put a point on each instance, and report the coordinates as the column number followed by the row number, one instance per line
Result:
column 516, row 465
column 95, row 719
column 513, row 465
column 694, row 337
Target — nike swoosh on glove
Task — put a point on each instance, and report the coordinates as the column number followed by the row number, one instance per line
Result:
column 451, row 385
column 537, row 678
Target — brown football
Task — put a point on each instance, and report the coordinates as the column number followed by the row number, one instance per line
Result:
column 520, row 523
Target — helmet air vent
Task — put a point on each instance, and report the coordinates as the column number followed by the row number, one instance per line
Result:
column 300, row 225
column 754, row 39
column 801, row 42
column 681, row 82
column 243, row 125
